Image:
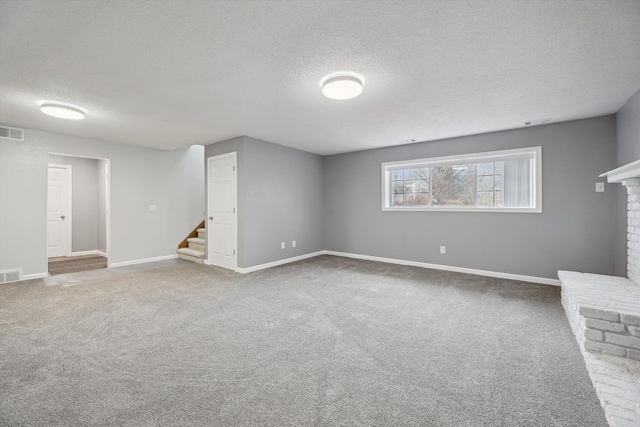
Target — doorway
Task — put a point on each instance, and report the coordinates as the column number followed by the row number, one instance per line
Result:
column 222, row 222
column 77, row 213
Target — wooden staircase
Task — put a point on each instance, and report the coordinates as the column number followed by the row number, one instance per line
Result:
column 192, row 247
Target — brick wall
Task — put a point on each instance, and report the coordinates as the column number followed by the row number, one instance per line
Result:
column 604, row 312
column 633, row 228
column 612, row 333
column 590, row 300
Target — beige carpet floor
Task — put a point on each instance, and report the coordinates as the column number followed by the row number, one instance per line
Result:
column 323, row 342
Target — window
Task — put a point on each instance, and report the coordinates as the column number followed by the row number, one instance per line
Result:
column 498, row 181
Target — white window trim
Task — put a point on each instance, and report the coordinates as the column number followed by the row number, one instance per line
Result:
column 474, row 157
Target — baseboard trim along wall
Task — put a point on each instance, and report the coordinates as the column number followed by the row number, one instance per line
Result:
column 499, row 275
column 94, row 252
column 141, row 261
column 34, row 276
column 241, row 270
column 277, row 263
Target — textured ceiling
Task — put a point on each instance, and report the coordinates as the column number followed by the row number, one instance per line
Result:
column 168, row 74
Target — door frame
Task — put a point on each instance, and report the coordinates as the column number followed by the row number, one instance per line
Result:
column 69, row 216
column 107, row 201
column 233, row 154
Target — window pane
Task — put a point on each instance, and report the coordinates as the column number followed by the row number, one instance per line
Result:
column 422, row 199
column 422, row 173
column 498, row 167
column 497, row 198
column 422, row 186
column 485, row 198
column 497, row 183
column 410, row 174
column 398, row 187
column 409, row 186
column 396, row 175
column 485, row 182
column 485, row 168
column 409, row 199
column 452, row 185
column 398, row 200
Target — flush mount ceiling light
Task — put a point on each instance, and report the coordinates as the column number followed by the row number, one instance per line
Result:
column 342, row 86
column 62, row 110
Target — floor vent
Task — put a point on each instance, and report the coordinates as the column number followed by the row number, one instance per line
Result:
column 8, row 276
column 14, row 134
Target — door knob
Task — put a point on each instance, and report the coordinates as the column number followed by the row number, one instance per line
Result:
column 62, row 216
column 210, row 218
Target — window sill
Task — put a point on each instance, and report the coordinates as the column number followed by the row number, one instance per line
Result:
column 454, row 209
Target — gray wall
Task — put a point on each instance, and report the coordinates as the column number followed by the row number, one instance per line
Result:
column 574, row 232
column 280, row 196
column 85, row 203
column 628, row 131
column 139, row 177
column 627, row 151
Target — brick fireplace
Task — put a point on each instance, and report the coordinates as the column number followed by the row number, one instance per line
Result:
column 605, row 310
column 633, row 228
column 604, row 313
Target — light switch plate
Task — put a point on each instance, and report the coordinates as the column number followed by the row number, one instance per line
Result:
column 599, row 187
column 152, row 208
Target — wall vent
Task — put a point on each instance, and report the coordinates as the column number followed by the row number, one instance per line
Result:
column 14, row 134
column 8, row 276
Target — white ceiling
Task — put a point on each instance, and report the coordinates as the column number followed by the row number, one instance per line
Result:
column 168, row 74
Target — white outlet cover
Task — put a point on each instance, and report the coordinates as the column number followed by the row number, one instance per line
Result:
column 599, row 187
column 443, row 249
column 152, row 208
column 282, row 245
column 293, row 244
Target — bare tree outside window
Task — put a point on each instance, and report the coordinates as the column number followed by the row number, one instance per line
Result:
column 410, row 187
column 453, row 185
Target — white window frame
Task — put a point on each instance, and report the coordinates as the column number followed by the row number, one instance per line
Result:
column 462, row 159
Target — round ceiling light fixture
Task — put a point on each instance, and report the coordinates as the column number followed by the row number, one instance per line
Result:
column 342, row 86
column 62, row 110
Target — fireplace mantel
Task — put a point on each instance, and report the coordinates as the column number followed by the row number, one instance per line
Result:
column 628, row 171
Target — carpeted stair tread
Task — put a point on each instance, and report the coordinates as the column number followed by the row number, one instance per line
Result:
column 195, row 240
column 191, row 252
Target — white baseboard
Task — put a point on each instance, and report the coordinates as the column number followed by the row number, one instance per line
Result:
column 80, row 253
column 34, row 276
column 497, row 274
column 277, row 263
column 94, row 252
column 142, row 261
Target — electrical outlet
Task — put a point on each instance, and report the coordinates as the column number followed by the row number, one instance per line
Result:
column 293, row 244
column 443, row 249
column 152, row 208
column 599, row 187
column 282, row 246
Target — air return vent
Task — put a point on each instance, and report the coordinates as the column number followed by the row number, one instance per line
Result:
column 11, row 133
column 8, row 276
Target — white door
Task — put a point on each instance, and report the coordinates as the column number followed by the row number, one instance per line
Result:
column 59, row 211
column 222, row 223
